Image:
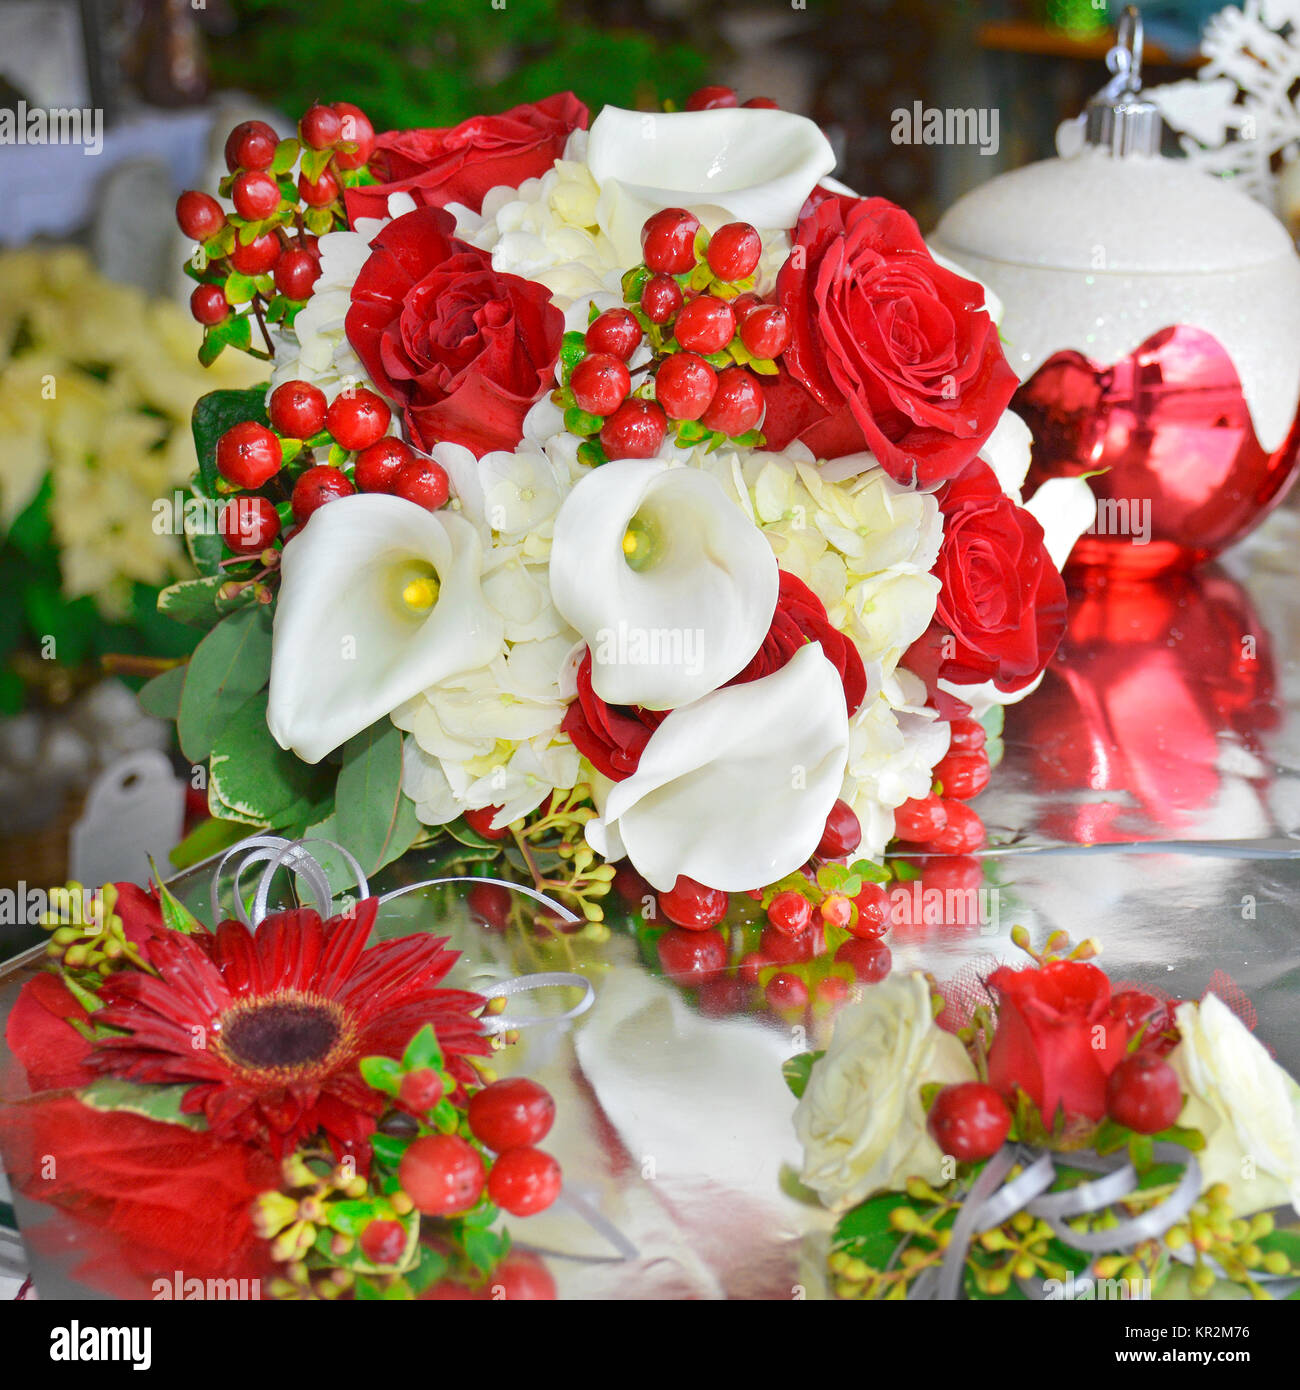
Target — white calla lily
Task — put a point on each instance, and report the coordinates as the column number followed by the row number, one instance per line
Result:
column 665, row 578
column 734, row 790
column 738, row 164
column 379, row 600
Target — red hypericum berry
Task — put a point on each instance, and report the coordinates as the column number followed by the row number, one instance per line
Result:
column 442, row 1174
column 511, row 1114
column 248, row 454
column 870, row 961
column 259, row 256
column 920, row 819
column 296, row 272
column 489, row 903
column 378, row 464
column 255, row 195
column 761, row 104
column 297, row 409
column 963, row 775
column 423, row 482
column 722, row 995
column 706, row 324
column 765, row 331
column 966, row 736
column 600, row 383
column 711, row 98
column 420, row 1090
column 354, row 129
column 1143, row 1093
column 524, row 1181
column 248, row 524
column 777, row 948
column 790, row 912
column 690, row 956
column 691, row 904
column 872, row 916
column 668, row 241
column 316, row 486
column 199, row 215
column 320, row 127
column 383, row 1242
column 745, row 304
column 963, row 833
column 522, row 1278
column 832, row 990
column 836, row 911
column 843, row 832
column 480, row 821
column 734, row 251
column 358, row 419
column 969, row 1121
column 630, row 886
column 737, row 404
column 661, row 298
column 208, row 304
column 251, row 145
column 615, row 331
column 634, row 431
column 750, row 965
column 785, row 992
column 684, row 385
column 321, row 193
column 952, row 873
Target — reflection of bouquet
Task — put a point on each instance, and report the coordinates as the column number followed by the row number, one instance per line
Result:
column 285, row 1111
column 639, row 481
column 1048, row 1136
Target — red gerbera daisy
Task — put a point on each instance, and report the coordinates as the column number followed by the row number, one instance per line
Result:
column 269, row 1027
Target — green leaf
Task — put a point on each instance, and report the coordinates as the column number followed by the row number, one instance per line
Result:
column 240, row 288
column 253, row 777
column 389, row 1148
column 764, row 366
column 634, row 281
column 213, row 416
column 483, row 1248
column 161, row 697
column 210, row 836
column 161, row 1103
column 234, row 331
column 285, row 156
column 423, row 1050
column 798, row 1069
column 290, row 449
column 430, row 1267
column 374, row 819
column 176, row 916
column 869, row 872
column 193, row 601
column 319, row 221
column 381, row 1074
column 573, row 348
column 865, row 1231
column 230, row 665
column 314, row 163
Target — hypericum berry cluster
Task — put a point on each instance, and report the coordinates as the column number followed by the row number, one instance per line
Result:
column 716, row 97
column 942, row 823
column 709, row 339
column 279, row 481
column 260, row 262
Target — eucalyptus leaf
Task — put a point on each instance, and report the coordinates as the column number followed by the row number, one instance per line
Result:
column 375, row 821
column 252, row 776
column 161, row 697
column 162, row 1103
column 231, row 664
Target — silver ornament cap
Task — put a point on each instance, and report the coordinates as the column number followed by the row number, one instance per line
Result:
column 1119, row 118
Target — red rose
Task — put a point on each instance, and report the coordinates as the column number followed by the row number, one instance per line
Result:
column 463, row 350
column 612, row 737
column 800, row 617
column 459, row 165
column 1057, row 1038
column 1003, row 600
column 890, row 351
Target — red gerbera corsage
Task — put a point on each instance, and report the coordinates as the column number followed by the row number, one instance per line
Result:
column 269, row 1028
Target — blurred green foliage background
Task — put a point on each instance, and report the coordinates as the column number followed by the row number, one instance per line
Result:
column 413, row 63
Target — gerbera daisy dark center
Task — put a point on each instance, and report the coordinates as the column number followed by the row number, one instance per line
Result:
column 281, row 1032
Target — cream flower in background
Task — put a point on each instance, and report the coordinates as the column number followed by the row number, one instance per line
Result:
column 379, row 600
column 860, row 1120
column 1244, row 1104
column 774, row 747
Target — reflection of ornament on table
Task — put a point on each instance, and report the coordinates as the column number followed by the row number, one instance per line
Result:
column 1239, row 116
column 1159, row 697
column 1152, row 311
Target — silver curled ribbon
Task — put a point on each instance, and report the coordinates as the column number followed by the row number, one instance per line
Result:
column 276, row 853
column 993, row 1200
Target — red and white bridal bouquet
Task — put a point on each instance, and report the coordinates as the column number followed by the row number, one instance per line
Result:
column 628, row 477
